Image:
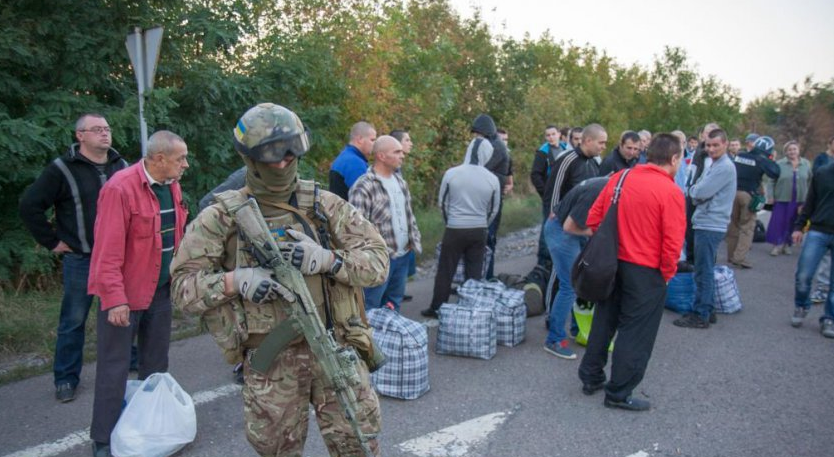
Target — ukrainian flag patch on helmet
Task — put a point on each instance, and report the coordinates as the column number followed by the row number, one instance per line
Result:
column 240, row 130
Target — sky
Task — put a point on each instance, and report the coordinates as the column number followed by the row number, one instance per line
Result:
column 754, row 46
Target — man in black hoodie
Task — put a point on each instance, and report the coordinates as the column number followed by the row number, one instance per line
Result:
column 498, row 164
column 70, row 185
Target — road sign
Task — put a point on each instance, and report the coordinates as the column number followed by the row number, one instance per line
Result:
column 143, row 48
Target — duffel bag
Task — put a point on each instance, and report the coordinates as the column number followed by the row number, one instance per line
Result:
column 726, row 297
column 507, row 304
column 680, row 293
column 467, row 331
column 405, row 345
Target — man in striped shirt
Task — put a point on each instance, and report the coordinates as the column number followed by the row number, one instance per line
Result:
column 70, row 184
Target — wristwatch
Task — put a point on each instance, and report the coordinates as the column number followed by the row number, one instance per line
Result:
column 337, row 265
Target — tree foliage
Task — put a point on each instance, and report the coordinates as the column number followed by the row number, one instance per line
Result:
column 414, row 64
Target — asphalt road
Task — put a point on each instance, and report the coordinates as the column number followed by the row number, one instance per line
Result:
column 749, row 386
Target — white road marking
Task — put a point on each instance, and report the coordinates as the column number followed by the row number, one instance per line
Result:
column 82, row 437
column 639, row 454
column 457, row 440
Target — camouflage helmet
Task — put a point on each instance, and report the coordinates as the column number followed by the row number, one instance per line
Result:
column 267, row 132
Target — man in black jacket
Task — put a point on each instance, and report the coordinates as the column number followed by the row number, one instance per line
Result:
column 623, row 156
column 70, row 185
column 819, row 211
column 545, row 158
column 750, row 167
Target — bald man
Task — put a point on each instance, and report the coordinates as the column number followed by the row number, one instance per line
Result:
column 382, row 196
column 352, row 162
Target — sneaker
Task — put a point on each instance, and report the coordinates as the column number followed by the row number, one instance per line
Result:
column 691, row 320
column 407, row 297
column 65, row 392
column 713, row 318
column 101, row 449
column 827, row 328
column 819, row 296
column 776, row 250
column 743, row 264
column 629, row 404
column 429, row 312
column 560, row 349
column 787, row 250
column 592, row 388
column 799, row 315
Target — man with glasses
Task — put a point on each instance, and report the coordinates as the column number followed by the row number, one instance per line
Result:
column 70, row 185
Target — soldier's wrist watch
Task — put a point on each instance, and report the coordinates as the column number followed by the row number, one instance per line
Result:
column 337, row 264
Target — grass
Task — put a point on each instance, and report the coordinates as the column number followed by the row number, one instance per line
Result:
column 28, row 331
column 29, row 320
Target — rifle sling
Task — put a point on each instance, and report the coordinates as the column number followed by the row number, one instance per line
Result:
column 272, row 345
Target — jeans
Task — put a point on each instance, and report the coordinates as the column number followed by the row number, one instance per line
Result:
column 393, row 289
column 823, row 273
column 564, row 248
column 75, row 306
column 814, row 247
column 706, row 248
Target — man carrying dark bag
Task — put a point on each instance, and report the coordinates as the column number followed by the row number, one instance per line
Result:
column 651, row 225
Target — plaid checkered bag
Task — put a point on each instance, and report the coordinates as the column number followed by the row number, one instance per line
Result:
column 507, row 304
column 459, row 277
column 467, row 331
column 726, row 296
column 404, row 342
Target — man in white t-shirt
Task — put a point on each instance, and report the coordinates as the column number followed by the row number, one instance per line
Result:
column 382, row 196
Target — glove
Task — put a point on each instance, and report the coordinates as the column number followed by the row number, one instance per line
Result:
column 257, row 286
column 305, row 254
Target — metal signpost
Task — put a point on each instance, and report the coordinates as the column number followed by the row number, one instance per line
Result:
column 143, row 47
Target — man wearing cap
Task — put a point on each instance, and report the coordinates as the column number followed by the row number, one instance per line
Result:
column 750, row 140
column 750, row 168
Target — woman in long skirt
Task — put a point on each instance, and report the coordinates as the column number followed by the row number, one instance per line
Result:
column 787, row 194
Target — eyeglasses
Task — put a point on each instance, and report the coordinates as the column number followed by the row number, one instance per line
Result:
column 96, row 130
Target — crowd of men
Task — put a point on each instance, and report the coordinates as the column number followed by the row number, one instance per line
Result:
column 121, row 231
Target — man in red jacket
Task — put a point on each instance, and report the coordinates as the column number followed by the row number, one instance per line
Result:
column 651, row 224
column 141, row 218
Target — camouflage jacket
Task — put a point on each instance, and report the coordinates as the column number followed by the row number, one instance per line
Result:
column 211, row 247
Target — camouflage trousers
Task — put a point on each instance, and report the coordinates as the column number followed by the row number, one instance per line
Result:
column 277, row 407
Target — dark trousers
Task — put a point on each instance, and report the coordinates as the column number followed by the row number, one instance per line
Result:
column 457, row 243
column 633, row 311
column 492, row 240
column 543, row 254
column 690, row 236
column 153, row 329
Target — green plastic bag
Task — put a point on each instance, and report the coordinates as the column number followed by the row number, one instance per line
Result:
column 583, row 312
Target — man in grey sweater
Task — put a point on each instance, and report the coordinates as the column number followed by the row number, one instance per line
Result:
column 469, row 199
column 713, row 196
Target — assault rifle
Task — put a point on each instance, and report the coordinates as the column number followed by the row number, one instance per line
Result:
column 337, row 362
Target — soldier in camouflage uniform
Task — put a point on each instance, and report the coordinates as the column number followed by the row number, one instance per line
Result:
column 337, row 251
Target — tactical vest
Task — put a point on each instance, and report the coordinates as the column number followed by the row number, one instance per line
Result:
column 239, row 325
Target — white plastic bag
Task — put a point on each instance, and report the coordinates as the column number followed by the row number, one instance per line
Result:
column 159, row 420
